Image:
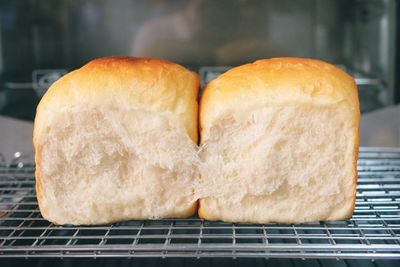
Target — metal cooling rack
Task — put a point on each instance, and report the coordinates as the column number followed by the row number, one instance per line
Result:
column 373, row 232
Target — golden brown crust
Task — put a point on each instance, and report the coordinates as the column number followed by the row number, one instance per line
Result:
column 37, row 175
column 38, row 172
column 284, row 81
column 130, row 80
column 126, row 81
column 200, row 212
column 296, row 79
column 356, row 152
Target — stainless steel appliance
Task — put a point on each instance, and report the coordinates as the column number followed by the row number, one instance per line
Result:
column 42, row 40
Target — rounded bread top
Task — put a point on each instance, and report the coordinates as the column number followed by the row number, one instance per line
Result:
column 278, row 81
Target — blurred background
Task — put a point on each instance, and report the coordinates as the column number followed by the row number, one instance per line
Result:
column 41, row 40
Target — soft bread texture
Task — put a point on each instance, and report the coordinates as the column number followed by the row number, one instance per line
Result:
column 279, row 143
column 116, row 140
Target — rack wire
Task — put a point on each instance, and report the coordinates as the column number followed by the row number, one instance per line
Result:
column 373, row 232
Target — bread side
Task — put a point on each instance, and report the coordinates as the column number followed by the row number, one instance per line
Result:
column 280, row 143
column 116, row 140
column 278, row 80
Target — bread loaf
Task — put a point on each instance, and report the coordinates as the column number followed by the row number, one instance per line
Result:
column 117, row 140
column 279, row 142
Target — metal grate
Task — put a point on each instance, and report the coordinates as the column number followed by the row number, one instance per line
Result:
column 373, row 232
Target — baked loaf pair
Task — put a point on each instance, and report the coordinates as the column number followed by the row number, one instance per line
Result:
column 117, row 140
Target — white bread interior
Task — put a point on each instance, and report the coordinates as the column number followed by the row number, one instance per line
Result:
column 279, row 143
column 116, row 140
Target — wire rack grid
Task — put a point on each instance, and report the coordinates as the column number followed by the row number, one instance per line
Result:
column 373, row 232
